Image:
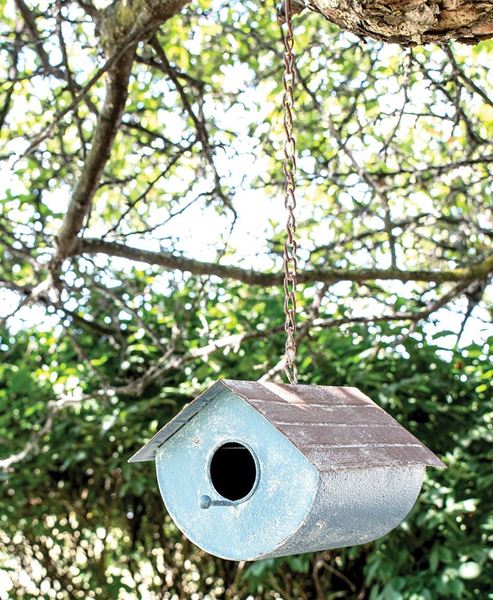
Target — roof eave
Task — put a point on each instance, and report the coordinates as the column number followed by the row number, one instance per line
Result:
column 148, row 451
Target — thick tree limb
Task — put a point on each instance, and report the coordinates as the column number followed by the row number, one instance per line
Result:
column 410, row 22
column 121, row 21
column 480, row 270
column 106, row 130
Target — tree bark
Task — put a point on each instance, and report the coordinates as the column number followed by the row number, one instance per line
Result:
column 477, row 271
column 411, row 22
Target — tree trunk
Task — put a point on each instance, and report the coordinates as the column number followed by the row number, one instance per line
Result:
column 412, row 22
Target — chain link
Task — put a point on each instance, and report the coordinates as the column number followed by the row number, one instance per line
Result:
column 289, row 168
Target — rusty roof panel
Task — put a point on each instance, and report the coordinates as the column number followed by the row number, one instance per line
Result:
column 372, row 455
column 334, row 415
column 336, row 435
column 334, row 427
column 299, row 395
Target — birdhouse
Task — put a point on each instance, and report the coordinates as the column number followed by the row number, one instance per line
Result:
column 252, row 470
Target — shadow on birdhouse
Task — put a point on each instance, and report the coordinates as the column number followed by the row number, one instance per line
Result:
column 253, row 470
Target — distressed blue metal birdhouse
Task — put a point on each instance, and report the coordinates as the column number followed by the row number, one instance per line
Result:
column 252, row 470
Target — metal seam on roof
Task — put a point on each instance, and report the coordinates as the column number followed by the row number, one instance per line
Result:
column 328, row 424
column 371, row 445
column 314, row 405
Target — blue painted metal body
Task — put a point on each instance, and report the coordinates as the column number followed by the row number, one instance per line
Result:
column 325, row 468
column 256, row 525
column 293, row 507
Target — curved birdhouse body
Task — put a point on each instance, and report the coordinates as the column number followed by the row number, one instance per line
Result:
column 268, row 514
column 253, row 470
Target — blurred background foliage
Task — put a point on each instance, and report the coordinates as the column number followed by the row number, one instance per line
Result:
column 83, row 523
column 395, row 177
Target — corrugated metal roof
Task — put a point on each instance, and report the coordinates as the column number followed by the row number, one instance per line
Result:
column 334, row 427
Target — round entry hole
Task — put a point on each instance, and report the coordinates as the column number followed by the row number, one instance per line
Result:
column 233, row 471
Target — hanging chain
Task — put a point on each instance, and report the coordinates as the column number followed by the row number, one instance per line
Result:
column 289, row 168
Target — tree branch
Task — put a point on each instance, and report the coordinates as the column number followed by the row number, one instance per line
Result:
column 168, row 261
column 122, row 26
column 106, row 130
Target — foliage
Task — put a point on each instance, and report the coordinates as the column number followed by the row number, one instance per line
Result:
column 170, row 205
column 97, row 526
